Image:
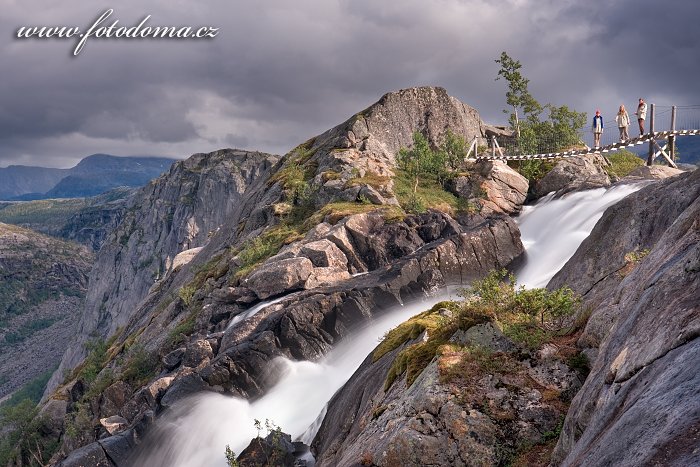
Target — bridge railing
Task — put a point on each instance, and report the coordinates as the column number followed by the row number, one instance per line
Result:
column 660, row 119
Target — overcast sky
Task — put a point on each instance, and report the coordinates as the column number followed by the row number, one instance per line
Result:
column 281, row 71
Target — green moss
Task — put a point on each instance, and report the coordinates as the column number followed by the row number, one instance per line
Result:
column 623, row 163
column 372, row 179
column 180, row 332
column 529, row 317
column 186, row 293
column 430, row 194
column 534, row 169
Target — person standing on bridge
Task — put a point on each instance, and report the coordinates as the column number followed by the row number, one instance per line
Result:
column 641, row 114
column 597, row 128
column 623, row 122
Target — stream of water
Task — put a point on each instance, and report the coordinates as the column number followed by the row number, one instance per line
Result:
column 195, row 433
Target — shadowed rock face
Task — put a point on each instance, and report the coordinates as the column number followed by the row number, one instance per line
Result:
column 639, row 405
column 627, row 228
column 174, row 213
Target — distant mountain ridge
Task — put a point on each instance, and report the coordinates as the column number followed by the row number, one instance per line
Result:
column 93, row 175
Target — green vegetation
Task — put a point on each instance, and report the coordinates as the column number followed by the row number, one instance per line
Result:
column 637, row 255
column 28, row 329
column 49, row 213
column 622, row 163
column 33, row 390
column 423, row 172
column 528, row 317
column 140, row 367
column 533, row 169
column 22, row 442
column 274, row 457
column 180, row 332
column 561, row 129
column 186, row 293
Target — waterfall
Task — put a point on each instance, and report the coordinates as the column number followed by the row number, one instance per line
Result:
column 552, row 229
column 196, row 432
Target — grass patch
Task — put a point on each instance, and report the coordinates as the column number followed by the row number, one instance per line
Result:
column 528, row 317
column 622, row 163
column 533, row 170
column 140, row 367
column 180, row 332
column 431, row 194
column 33, row 390
column 376, row 181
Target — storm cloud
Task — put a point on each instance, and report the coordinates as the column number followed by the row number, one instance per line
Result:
column 279, row 72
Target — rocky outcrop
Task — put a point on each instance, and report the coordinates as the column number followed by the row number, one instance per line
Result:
column 216, row 321
column 42, row 283
column 654, row 172
column 403, row 260
column 172, row 214
column 574, row 173
column 640, row 405
column 455, row 413
column 492, row 187
column 619, row 241
column 367, row 143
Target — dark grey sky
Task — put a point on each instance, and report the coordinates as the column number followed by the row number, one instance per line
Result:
column 282, row 71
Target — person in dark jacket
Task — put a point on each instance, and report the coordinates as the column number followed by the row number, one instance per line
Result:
column 597, row 128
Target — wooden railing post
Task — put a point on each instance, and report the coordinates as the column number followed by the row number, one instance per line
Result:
column 672, row 137
column 650, row 159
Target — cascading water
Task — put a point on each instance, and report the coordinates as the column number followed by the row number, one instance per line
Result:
column 196, row 432
column 553, row 229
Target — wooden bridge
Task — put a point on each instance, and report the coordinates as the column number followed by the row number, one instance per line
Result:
column 667, row 150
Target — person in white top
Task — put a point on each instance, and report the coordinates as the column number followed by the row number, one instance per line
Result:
column 641, row 114
column 623, row 122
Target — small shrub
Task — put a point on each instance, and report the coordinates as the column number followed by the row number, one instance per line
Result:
column 140, row 367
column 186, row 294
column 622, row 163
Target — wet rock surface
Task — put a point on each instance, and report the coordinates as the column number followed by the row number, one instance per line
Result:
column 574, row 173
column 647, row 360
column 619, row 241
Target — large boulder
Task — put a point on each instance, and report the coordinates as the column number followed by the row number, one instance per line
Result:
column 640, row 404
column 493, row 188
column 360, row 153
column 654, row 172
column 572, row 174
column 278, row 277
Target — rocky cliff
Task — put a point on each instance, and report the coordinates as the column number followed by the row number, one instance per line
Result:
column 42, row 283
column 320, row 231
column 640, row 273
column 174, row 213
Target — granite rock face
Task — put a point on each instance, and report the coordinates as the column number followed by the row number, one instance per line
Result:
column 492, row 187
column 444, row 417
column 647, row 360
column 173, row 213
column 574, row 173
column 625, row 233
column 43, row 281
column 367, row 143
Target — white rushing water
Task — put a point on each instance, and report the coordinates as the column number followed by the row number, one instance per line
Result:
column 196, row 432
column 553, row 229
